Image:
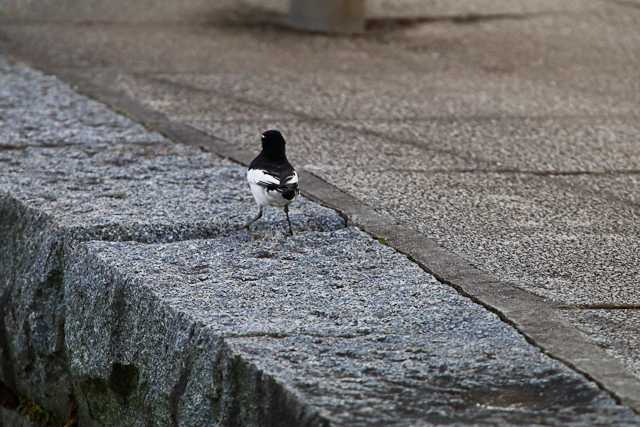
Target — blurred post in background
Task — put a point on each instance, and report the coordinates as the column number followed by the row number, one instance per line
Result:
column 332, row 16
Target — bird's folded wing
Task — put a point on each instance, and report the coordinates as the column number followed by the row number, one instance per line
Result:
column 291, row 179
column 289, row 183
column 260, row 177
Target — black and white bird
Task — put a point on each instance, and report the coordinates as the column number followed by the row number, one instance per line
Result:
column 272, row 179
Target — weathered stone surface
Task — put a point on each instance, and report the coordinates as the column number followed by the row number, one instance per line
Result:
column 107, row 184
column 230, row 329
column 57, row 195
column 537, row 86
column 226, row 330
column 36, row 109
column 31, row 323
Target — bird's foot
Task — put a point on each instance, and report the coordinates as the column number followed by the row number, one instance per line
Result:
column 286, row 212
column 247, row 226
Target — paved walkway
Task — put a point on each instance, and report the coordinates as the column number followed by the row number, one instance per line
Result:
column 507, row 134
column 329, row 326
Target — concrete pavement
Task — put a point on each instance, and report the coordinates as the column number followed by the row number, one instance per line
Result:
column 510, row 138
column 131, row 296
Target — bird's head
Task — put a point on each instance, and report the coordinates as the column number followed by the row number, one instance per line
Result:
column 273, row 144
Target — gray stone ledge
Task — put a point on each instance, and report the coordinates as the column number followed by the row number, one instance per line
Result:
column 52, row 197
column 226, row 330
column 72, row 170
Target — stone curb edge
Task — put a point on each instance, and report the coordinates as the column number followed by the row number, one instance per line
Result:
column 532, row 316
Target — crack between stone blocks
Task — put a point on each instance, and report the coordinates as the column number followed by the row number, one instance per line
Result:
column 99, row 231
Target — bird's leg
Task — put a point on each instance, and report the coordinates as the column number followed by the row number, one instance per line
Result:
column 247, row 225
column 286, row 212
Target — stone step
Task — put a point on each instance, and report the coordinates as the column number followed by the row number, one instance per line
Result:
column 325, row 328
column 72, row 170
